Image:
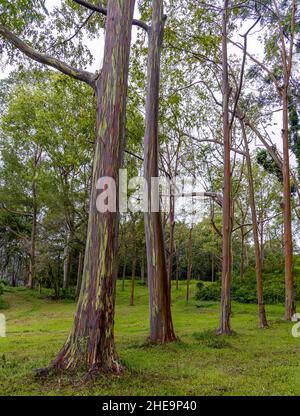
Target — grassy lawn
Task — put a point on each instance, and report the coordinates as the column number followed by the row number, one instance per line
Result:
column 251, row 362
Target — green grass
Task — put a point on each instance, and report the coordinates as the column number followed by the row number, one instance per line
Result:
column 251, row 362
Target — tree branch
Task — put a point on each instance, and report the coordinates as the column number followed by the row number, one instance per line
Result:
column 61, row 66
column 212, row 141
column 72, row 36
column 103, row 11
column 263, row 66
column 240, row 86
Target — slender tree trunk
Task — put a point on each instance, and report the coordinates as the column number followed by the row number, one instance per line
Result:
column 161, row 325
column 91, row 341
column 246, row 256
column 261, row 220
column 258, row 259
column 143, row 270
column 67, row 263
column 212, row 267
column 190, row 265
column 79, row 274
column 242, row 265
column 227, row 203
column 290, row 306
column 124, row 274
column 177, row 269
column 13, row 275
column 213, row 240
column 32, row 266
column 132, row 280
column 171, row 241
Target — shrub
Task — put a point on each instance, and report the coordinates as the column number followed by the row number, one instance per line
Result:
column 244, row 291
column 208, row 291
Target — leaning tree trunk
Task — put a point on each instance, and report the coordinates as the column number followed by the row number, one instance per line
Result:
column 258, row 259
column 227, row 204
column 161, row 326
column 290, row 307
column 91, row 342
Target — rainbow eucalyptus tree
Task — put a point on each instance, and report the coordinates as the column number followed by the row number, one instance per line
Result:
column 90, row 344
column 227, row 201
column 161, row 325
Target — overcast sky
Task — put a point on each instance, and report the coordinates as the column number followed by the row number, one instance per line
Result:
column 96, row 47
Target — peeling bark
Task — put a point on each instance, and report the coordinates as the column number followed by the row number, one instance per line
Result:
column 258, row 258
column 290, row 306
column 161, row 325
column 227, row 202
column 91, row 344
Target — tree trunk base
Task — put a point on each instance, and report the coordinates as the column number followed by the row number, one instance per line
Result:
column 70, row 360
column 288, row 317
column 165, row 340
column 290, row 310
column 226, row 331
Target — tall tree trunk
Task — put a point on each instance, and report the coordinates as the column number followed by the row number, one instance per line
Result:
column 91, row 342
column 246, row 256
column 227, row 203
column 261, row 221
column 79, row 274
column 32, row 265
column 177, row 269
column 143, row 270
column 67, row 262
column 290, row 307
column 132, row 280
column 171, row 240
column 124, row 273
column 258, row 259
column 242, row 265
column 13, row 274
column 190, row 265
column 161, row 325
column 212, row 267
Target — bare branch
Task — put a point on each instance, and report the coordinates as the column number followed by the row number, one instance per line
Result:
column 263, row 66
column 240, row 86
column 74, row 34
column 103, row 11
column 211, row 141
